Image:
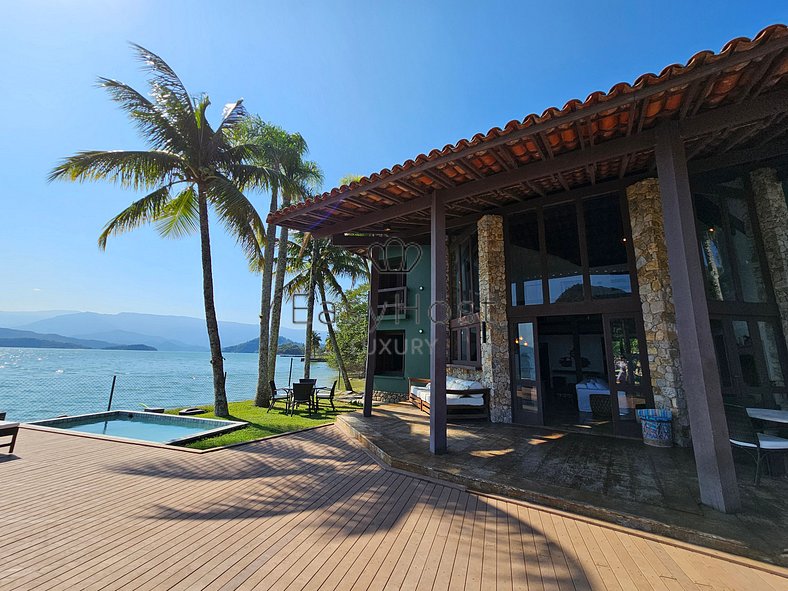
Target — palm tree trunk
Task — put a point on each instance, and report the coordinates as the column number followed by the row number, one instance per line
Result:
column 217, row 361
column 310, row 302
column 279, row 287
column 262, row 396
column 333, row 338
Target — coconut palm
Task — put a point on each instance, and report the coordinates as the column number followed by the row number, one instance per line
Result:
column 285, row 152
column 188, row 168
column 317, row 267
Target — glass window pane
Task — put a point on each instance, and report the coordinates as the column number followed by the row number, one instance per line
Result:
column 719, row 348
column 607, row 253
column 749, row 369
column 564, row 270
column 463, row 344
column 628, row 402
column 716, row 263
column 525, row 262
column 771, row 354
column 473, row 351
column 743, row 247
column 525, row 369
column 626, row 351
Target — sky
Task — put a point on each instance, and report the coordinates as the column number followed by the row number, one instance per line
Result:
column 368, row 84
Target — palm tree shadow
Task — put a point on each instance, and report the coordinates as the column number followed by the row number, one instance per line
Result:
column 318, row 476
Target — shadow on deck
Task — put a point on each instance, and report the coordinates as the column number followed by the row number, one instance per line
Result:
column 619, row 481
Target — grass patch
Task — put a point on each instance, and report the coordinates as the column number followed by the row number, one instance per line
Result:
column 264, row 424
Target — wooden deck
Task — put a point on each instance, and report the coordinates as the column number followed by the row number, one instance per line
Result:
column 306, row 511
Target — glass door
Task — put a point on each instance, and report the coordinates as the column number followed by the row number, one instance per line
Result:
column 630, row 385
column 526, row 389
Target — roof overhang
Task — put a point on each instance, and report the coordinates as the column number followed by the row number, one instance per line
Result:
column 729, row 107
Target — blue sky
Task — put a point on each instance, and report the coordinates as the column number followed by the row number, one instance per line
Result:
column 368, row 84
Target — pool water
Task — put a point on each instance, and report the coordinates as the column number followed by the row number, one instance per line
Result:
column 143, row 426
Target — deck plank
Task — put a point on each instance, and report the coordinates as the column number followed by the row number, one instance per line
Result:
column 307, row 511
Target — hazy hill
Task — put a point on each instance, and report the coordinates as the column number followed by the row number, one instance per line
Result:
column 24, row 338
column 167, row 333
column 16, row 319
column 286, row 347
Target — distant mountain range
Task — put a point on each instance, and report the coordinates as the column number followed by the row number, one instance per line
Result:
column 165, row 333
column 286, row 347
column 25, row 338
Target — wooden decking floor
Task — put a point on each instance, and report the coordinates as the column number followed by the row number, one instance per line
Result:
column 306, row 511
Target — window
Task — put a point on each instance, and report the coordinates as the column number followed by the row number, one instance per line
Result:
column 526, row 267
column 570, row 252
column 392, row 290
column 726, row 236
column 390, row 353
column 465, row 328
column 465, row 276
column 607, row 252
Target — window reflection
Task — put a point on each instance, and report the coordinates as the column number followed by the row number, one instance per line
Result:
column 607, row 253
column 525, row 266
column 564, row 267
column 626, row 351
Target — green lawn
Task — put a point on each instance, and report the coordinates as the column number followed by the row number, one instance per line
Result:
column 263, row 424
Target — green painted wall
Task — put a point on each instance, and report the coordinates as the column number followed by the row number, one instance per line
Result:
column 417, row 352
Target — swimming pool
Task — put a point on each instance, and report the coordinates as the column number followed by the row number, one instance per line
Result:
column 143, row 426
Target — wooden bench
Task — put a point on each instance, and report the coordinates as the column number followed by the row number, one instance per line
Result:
column 9, row 429
column 455, row 411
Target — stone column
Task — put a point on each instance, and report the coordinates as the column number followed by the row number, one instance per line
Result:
column 656, row 299
column 772, row 213
column 496, row 373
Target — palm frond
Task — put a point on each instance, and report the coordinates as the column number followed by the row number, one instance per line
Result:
column 135, row 169
column 238, row 215
column 164, row 81
column 232, row 114
column 140, row 212
column 155, row 128
column 180, row 216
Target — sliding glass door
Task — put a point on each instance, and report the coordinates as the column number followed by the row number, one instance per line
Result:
column 525, row 372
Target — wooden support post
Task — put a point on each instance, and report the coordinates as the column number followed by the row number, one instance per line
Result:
column 438, row 320
column 699, row 371
column 369, row 375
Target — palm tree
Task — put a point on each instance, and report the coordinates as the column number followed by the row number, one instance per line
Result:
column 317, row 269
column 298, row 178
column 188, row 168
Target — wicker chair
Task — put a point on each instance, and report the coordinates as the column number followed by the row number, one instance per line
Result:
column 743, row 435
column 601, row 407
column 278, row 394
column 302, row 394
column 325, row 394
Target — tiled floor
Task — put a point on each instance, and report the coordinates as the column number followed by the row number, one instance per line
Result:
column 607, row 478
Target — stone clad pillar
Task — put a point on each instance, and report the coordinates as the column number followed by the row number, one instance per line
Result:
column 496, row 373
column 772, row 213
column 656, row 299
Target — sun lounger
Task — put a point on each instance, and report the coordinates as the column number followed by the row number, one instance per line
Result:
column 9, row 429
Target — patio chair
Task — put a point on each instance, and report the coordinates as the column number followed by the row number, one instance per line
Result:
column 302, row 393
column 312, row 381
column 743, row 435
column 9, row 429
column 601, row 408
column 278, row 394
column 325, row 394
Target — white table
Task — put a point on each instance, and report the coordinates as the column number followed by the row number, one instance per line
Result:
column 769, row 414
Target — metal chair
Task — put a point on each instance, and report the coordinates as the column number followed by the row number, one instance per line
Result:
column 325, row 394
column 743, row 435
column 302, row 393
column 278, row 394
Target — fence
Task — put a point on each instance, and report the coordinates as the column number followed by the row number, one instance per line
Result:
column 31, row 394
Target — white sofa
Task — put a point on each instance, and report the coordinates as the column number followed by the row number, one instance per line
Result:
column 467, row 398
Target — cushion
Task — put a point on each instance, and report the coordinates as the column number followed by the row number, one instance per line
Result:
column 8, row 425
column 453, row 383
column 772, row 441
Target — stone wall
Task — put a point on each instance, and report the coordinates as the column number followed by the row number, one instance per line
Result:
column 387, row 397
column 656, row 298
column 492, row 294
column 465, row 373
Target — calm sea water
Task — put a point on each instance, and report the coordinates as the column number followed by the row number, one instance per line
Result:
column 44, row 383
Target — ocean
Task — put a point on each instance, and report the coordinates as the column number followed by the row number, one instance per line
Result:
column 44, row 383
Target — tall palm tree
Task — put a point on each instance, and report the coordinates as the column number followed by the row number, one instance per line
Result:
column 188, row 168
column 285, row 152
column 317, row 267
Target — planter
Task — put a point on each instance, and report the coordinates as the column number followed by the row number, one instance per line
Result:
column 657, row 425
